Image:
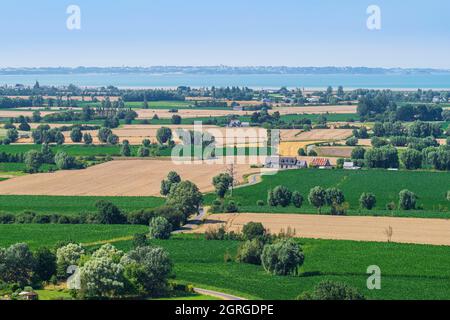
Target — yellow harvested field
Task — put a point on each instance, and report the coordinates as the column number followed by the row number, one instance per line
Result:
column 290, row 148
column 405, row 230
column 316, row 134
column 27, row 113
column 136, row 133
column 117, row 178
column 199, row 113
column 342, row 152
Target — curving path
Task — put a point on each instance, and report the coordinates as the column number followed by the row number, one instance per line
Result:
column 216, row 294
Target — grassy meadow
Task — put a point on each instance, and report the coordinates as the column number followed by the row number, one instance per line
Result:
column 431, row 187
column 408, row 271
column 37, row 235
column 72, row 204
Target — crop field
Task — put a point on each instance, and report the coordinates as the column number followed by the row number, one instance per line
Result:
column 341, row 152
column 72, row 204
column 432, row 231
column 36, row 235
column 409, row 271
column 16, row 167
column 431, row 188
column 118, row 178
column 200, row 112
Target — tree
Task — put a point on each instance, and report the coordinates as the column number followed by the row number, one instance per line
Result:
column 108, row 213
column 176, row 119
column 66, row 256
column 76, row 135
column 254, row 230
column 334, row 196
column 282, row 258
column 143, row 152
column 412, row 159
column 407, row 200
column 222, row 183
column 448, row 195
column 102, row 278
column 59, row 137
column 172, row 179
column 297, row 199
column 160, row 228
column 23, row 126
column 317, row 197
column 302, row 152
column 282, row 196
column 45, row 263
column 358, row 153
column 186, row 197
column 351, row 141
column 250, row 252
column 87, row 138
column 271, row 199
column 47, row 154
column 16, row 264
column 64, row 162
column 113, row 139
column 33, row 160
column 12, row 135
column 103, row 134
column 125, row 150
column 367, row 201
column 164, row 135
column 330, row 290
column 147, row 269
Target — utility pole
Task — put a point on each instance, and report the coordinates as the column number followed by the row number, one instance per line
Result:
column 231, row 172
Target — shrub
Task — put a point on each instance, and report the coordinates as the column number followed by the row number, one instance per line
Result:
column 108, row 213
column 231, row 207
column 254, row 230
column 260, row 203
column 367, row 201
column 297, row 199
column 407, row 200
column 302, row 152
column 143, row 152
column 147, row 269
column 64, row 162
column 390, row 206
column 352, row 141
column 250, row 252
column 76, row 135
column 160, row 228
column 329, row 290
column 282, row 258
column 140, row 240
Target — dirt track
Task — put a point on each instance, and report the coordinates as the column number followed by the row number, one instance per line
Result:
column 117, row 178
column 405, row 230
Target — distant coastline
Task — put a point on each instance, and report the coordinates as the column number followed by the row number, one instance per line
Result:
column 221, row 70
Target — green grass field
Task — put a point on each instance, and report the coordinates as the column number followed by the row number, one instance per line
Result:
column 36, row 235
column 16, row 167
column 431, row 187
column 408, row 271
column 72, row 204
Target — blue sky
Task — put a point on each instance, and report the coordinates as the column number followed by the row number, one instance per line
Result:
column 232, row 32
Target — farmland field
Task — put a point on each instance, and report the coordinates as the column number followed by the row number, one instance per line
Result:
column 117, row 178
column 431, row 187
column 409, row 271
column 36, row 235
column 72, row 204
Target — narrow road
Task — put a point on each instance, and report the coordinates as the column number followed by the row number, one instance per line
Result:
column 193, row 223
column 216, row 294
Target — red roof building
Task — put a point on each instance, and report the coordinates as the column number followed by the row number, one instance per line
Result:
column 321, row 162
